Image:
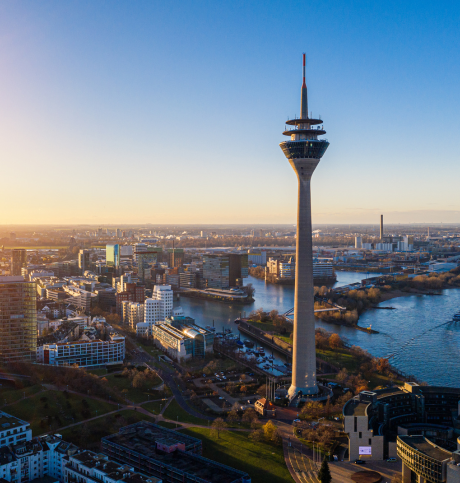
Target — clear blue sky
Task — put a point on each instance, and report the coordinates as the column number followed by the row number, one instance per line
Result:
column 170, row 112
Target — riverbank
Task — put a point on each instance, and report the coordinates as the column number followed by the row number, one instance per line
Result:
column 217, row 298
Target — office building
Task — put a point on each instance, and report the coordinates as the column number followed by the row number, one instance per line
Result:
column 164, row 295
column 84, row 353
column 216, row 271
column 238, row 268
column 18, row 319
column 84, row 260
column 188, row 279
column 373, row 419
column 18, row 261
column 182, row 339
column 112, row 255
column 167, row 454
column 175, row 257
column 304, row 151
column 358, row 242
column 257, row 258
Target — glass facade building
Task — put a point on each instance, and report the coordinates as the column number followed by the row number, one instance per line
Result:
column 18, row 261
column 18, row 319
column 112, row 255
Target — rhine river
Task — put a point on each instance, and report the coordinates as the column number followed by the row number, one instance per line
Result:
column 419, row 335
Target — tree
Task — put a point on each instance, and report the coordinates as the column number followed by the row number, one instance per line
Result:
column 342, row 376
column 335, row 341
column 312, row 410
column 250, row 415
column 256, row 435
column 217, row 426
column 324, row 473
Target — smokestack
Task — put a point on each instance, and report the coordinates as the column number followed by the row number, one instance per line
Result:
column 381, row 227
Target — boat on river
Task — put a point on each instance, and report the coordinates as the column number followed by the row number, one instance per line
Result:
column 456, row 317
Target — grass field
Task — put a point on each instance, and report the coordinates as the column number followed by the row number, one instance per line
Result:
column 154, row 407
column 340, row 358
column 11, row 395
column 90, row 433
column 133, row 394
column 264, row 463
column 56, row 411
column 174, row 411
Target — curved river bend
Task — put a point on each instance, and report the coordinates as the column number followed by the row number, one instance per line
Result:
column 419, row 335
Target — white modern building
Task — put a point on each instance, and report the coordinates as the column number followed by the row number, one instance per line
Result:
column 358, row 242
column 84, row 353
column 164, row 294
column 13, row 430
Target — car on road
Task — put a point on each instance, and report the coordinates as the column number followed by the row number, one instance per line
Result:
column 359, row 462
column 296, row 421
column 392, row 460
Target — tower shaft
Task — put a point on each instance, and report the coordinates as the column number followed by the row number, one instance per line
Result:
column 304, row 151
column 304, row 352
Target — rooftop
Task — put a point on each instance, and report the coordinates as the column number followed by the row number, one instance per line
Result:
column 425, row 446
column 7, row 421
column 354, row 407
column 141, row 438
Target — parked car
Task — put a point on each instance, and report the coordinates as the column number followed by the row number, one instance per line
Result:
column 391, row 460
column 359, row 462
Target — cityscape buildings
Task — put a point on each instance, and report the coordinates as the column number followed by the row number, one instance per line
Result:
column 304, row 151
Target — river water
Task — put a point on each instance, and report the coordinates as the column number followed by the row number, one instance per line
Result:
column 419, row 335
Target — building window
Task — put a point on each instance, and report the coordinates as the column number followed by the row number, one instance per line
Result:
column 356, row 424
column 370, row 441
column 360, row 435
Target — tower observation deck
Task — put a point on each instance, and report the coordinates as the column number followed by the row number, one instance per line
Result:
column 304, row 151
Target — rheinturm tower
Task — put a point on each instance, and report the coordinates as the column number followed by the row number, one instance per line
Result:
column 304, row 151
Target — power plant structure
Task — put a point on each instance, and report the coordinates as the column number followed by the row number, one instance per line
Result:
column 304, row 151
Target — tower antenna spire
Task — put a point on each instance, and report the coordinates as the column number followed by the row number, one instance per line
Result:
column 304, row 96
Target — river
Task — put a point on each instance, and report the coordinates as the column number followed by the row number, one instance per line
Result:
column 419, row 334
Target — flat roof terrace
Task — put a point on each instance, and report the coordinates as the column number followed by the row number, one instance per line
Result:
column 354, row 407
column 140, row 439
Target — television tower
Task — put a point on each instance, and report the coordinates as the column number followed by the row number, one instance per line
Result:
column 304, row 151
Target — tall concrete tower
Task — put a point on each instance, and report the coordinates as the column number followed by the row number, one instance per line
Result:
column 304, row 151
column 381, row 227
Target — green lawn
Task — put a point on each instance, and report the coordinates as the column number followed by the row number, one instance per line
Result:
column 56, row 411
column 88, row 434
column 264, row 463
column 339, row 358
column 169, row 425
column 154, row 407
column 174, row 410
column 12, row 395
column 133, row 394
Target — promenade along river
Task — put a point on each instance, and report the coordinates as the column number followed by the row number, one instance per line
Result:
column 419, row 335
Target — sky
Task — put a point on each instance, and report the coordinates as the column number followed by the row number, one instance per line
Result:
column 172, row 112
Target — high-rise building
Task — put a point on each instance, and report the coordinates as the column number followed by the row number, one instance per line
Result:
column 304, row 151
column 175, row 257
column 238, row 268
column 164, row 294
column 216, row 271
column 18, row 319
column 83, row 260
column 112, row 255
column 358, row 242
column 18, row 261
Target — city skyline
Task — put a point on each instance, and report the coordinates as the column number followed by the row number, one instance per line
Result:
column 92, row 95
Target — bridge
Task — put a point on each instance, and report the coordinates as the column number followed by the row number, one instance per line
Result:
column 333, row 307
